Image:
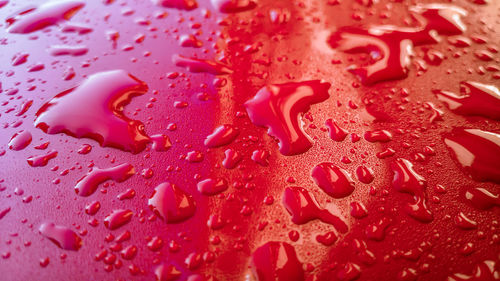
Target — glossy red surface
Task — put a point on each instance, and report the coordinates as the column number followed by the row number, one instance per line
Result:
column 249, row 140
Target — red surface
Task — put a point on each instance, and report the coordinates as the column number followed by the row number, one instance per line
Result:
column 250, row 140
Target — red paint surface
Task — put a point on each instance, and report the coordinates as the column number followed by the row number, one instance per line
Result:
column 191, row 131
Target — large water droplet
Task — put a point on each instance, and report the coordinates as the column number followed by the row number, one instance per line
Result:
column 276, row 261
column 304, row 208
column 279, row 107
column 486, row 270
column 167, row 272
column 482, row 198
column 477, row 152
column 336, row 133
column 333, row 180
column 94, row 110
column 34, row 18
column 476, row 99
column 171, row 203
column 408, row 181
column 391, row 47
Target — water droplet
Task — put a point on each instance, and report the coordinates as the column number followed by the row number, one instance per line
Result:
column 406, row 180
column 20, row 140
column 278, row 107
column 87, row 185
column 212, row 186
column 364, row 174
column 177, row 4
column 486, row 270
column 62, row 236
column 481, row 198
column 477, row 152
column 94, row 110
column 336, row 133
column 294, row 235
column 19, row 58
column 4, row 212
column 127, row 194
column 333, row 180
column 476, row 99
column 231, row 158
column 92, row 208
column 44, row 262
column 276, row 261
column 33, row 18
column 190, row 41
column 222, row 135
column 304, row 208
column 79, row 28
column 376, row 231
column 85, row 149
column 366, row 256
column 464, row 222
column 42, row 160
column 155, row 244
column 161, row 142
column 233, row 6
column 327, row 239
column 36, row 67
column 167, row 273
column 358, row 210
column 391, row 47
column 350, row 271
column 193, row 261
column 63, row 50
column 378, row 136
column 201, row 66
column 195, row 156
column 118, row 218
column 129, row 252
column 260, row 156
column 171, row 203
column 407, row 274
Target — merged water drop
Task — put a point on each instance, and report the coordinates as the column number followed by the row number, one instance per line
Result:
column 476, row 99
column 88, row 184
column 477, row 152
column 391, row 47
column 276, row 261
column 279, row 107
column 408, row 181
column 33, row 18
column 303, row 207
column 94, row 110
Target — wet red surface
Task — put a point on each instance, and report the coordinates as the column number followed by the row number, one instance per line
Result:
column 250, row 140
